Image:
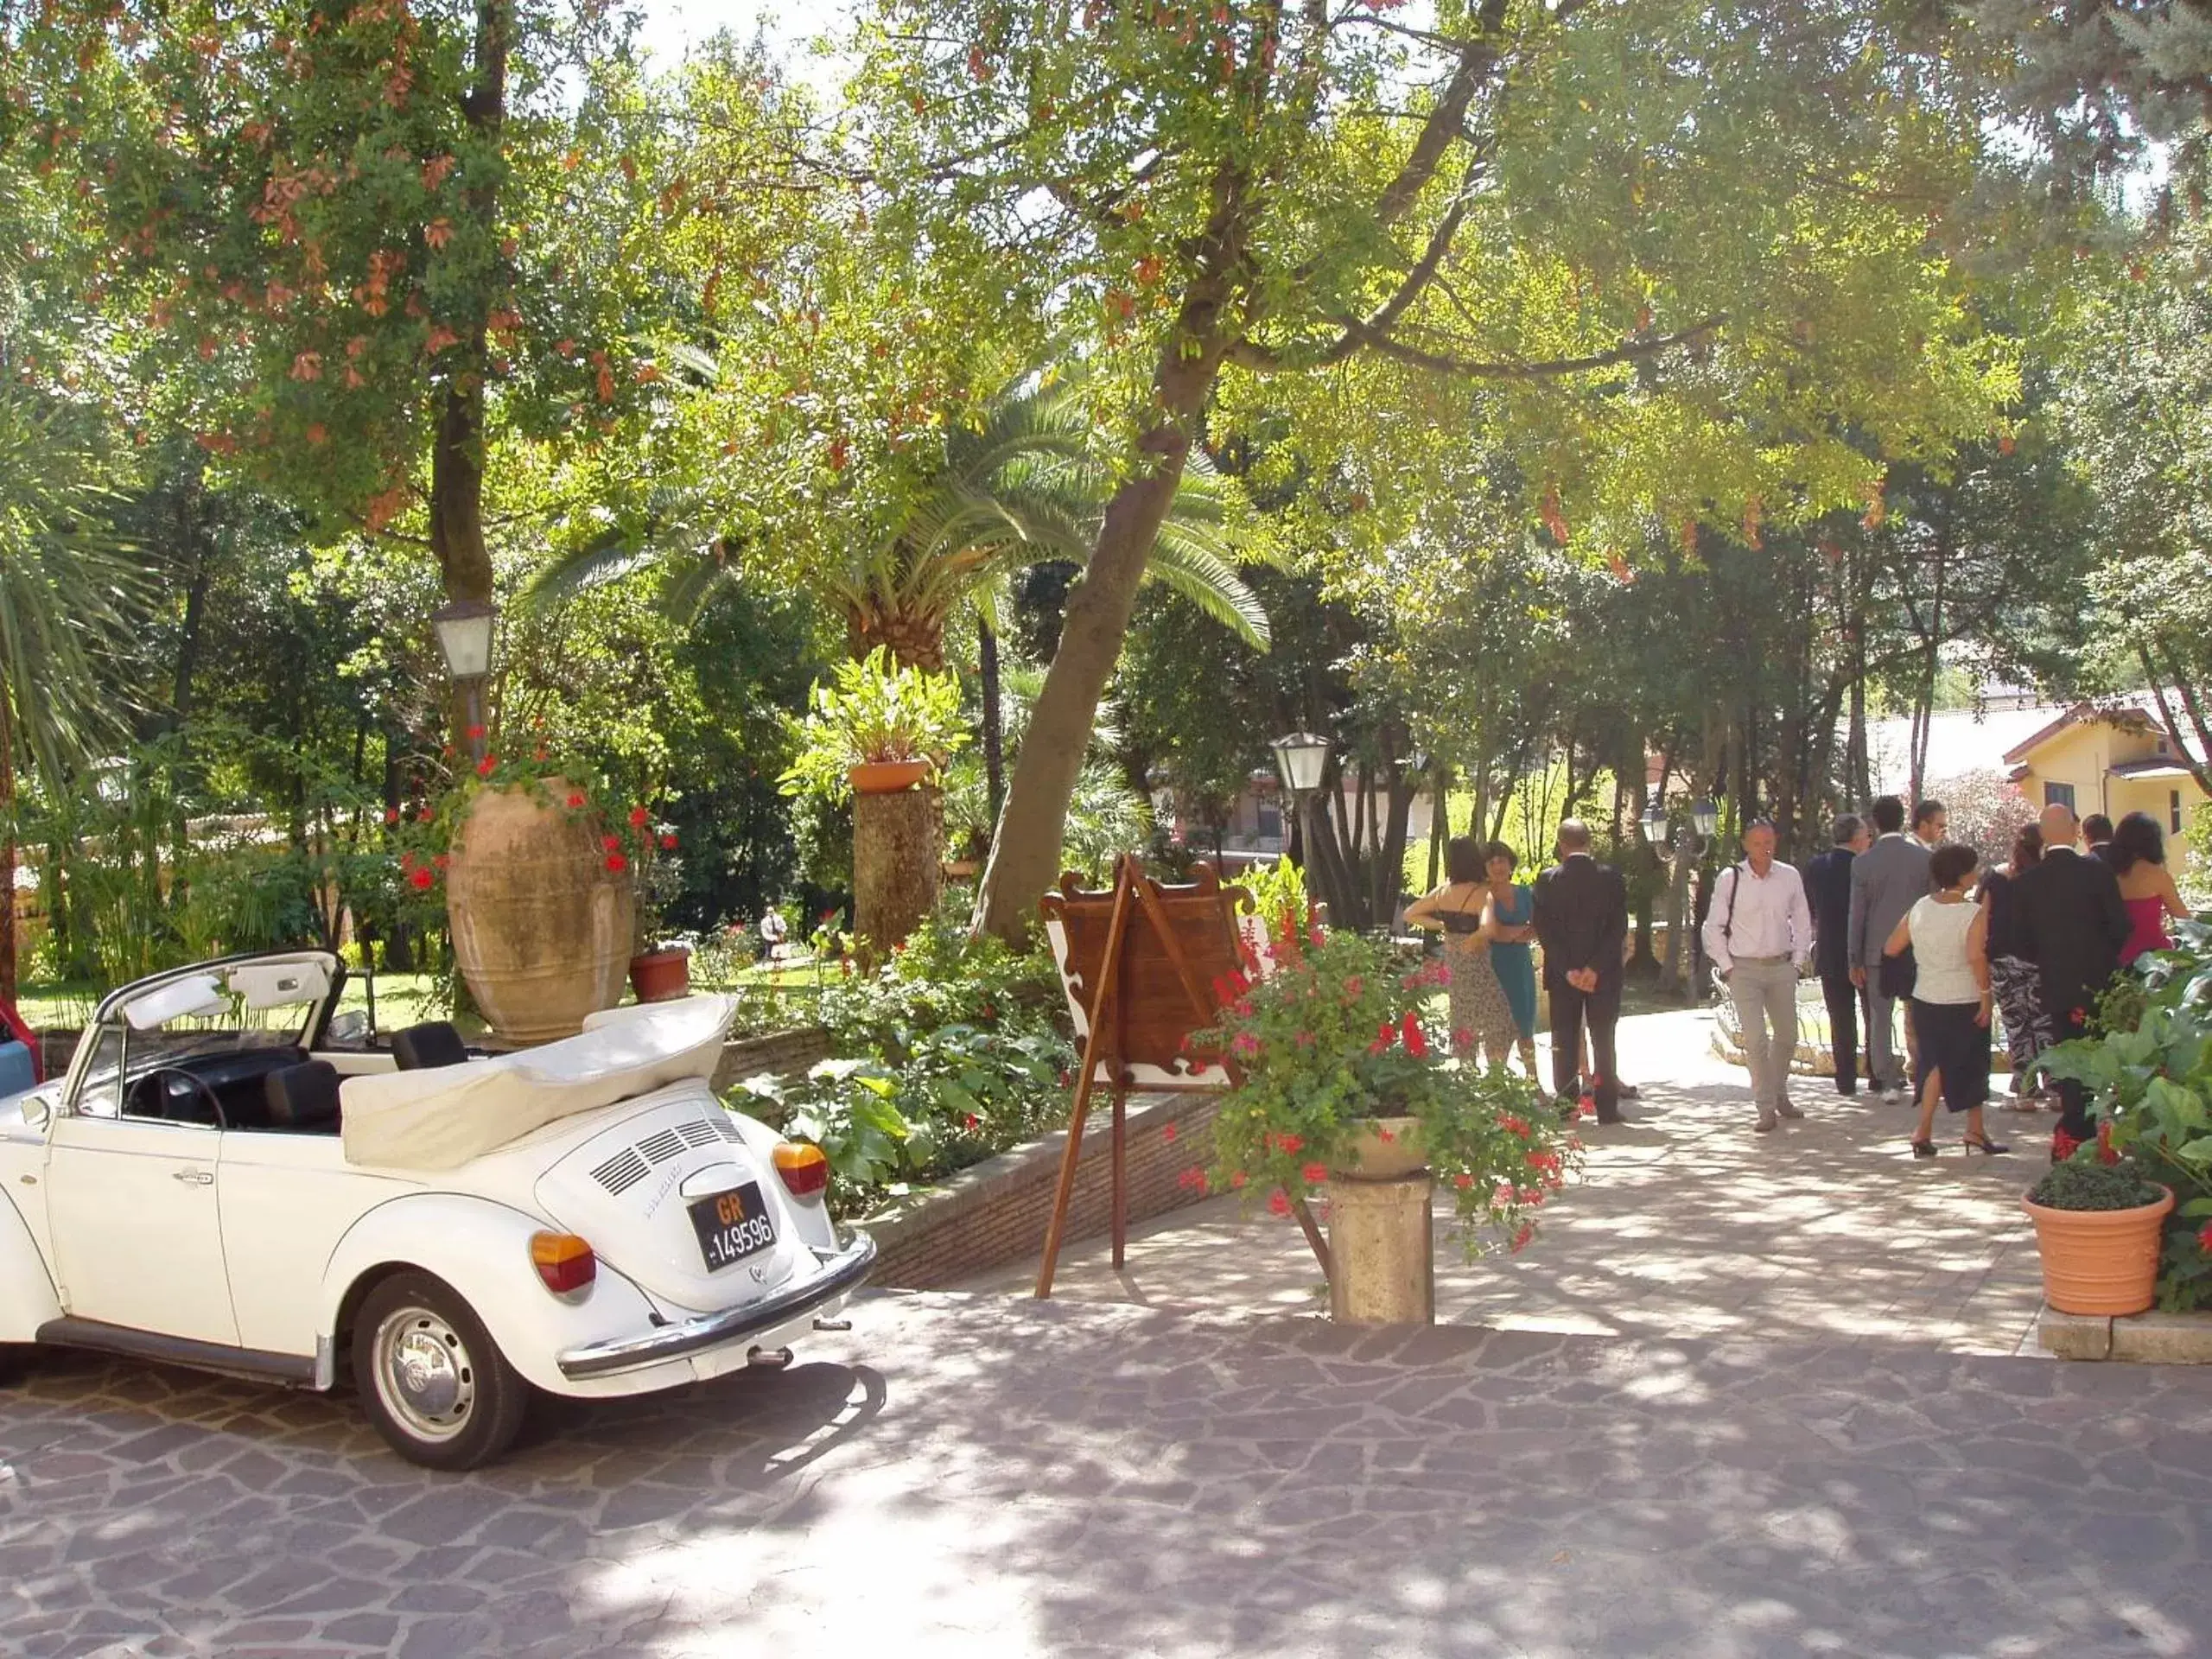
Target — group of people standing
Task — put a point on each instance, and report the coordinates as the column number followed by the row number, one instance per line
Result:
column 1909, row 917
column 1894, row 920
column 1577, row 912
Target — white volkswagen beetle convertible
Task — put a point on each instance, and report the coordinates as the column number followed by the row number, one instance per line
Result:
column 217, row 1182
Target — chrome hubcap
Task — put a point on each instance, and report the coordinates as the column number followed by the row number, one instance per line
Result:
column 424, row 1374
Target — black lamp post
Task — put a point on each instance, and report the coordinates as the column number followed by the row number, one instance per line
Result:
column 464, row 629
column 1301, row 759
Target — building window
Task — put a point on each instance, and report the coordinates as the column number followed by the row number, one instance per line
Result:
column 1270, row 821
column 2173, row 810
column 2058, row 795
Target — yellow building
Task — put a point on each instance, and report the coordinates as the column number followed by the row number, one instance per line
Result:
column 2112, row 758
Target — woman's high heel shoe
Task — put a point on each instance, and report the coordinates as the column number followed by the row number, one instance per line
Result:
column 1923, row 1148
column 1982, row 1143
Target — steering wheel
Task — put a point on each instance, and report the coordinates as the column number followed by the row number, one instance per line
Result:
column 195, row 1084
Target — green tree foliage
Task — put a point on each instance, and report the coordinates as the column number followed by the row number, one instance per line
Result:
column 1683, row 249
column 347, row 246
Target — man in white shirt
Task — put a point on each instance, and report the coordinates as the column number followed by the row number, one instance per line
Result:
column 1759, row 934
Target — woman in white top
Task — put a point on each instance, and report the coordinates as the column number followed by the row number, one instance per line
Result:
column 1949, row 939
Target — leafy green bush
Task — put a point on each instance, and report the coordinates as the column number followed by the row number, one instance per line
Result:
column 954, row 1050
column 2149, row 1078
column 2073, row 1186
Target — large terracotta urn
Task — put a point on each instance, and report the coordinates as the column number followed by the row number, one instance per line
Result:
column 541, row 926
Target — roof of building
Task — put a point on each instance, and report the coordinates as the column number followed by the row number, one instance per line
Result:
column 1990, row 739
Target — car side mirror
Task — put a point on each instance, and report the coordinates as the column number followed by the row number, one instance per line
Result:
column 38, row 1110
column 347, row 1030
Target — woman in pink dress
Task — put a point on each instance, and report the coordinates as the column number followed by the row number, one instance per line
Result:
column 2138, row 859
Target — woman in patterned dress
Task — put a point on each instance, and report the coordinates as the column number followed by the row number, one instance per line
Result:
column 1482, row 1019
column 2013, row 977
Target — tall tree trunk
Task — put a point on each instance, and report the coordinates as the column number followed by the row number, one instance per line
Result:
column 1025, row 853
column 994, row 720
column 457, row 451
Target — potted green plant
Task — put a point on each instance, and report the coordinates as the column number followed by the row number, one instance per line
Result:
column 661, row 968
column 1341, row 1074
column 2097, row 1227
column 875, row 728
column 2147, row 1074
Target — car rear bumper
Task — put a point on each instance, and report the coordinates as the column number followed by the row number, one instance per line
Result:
column 842, row 1272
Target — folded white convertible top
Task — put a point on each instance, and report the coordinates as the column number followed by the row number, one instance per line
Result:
column 440, row 1119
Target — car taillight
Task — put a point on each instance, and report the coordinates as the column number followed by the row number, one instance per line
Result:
column 563, row 1262
column 805, row 1170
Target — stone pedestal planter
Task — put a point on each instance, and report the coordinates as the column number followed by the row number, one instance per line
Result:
column 897, row 839
column 541, row 926
column 1383, row 1229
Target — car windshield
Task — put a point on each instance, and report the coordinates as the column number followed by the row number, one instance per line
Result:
column 220, row 1011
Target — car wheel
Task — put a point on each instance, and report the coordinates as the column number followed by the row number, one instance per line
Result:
column 430, row 1377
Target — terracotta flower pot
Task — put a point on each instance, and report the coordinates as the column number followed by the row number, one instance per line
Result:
column 541, row 927
column 662, row 976
column 886, row 777
column 2100, row 1262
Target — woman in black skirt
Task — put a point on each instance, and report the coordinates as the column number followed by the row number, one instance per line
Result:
column 1948, row 935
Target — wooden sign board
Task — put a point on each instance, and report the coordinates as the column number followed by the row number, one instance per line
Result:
column 1138, row 963
column 1181, row 930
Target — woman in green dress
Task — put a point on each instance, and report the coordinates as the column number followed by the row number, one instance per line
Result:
column 1509, row 915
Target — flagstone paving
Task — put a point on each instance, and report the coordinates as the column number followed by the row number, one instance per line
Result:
column 1731, row 1404
column 974, row 1475
column 1685, row 1224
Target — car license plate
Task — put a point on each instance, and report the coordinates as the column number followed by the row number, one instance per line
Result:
column 731, row 1225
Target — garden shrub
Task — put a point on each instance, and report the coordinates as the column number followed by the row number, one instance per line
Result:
column 2149, row 1075
column 952, row 1052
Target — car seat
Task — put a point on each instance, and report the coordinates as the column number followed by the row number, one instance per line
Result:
column 426, row 1047
column 303, row 1098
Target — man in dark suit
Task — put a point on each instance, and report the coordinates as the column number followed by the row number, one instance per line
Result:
column 1581, row 921
column 2072, row 924
column 2096, row 835
column 1827, row 890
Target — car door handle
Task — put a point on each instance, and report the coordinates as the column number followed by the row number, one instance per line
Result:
column 197, row 1176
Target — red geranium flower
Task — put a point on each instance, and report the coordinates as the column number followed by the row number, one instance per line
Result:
column 1463, row 1180
column 392, row 815
column 971, row 1122
column 575, row 800
column 420, row 878
column 617, row 863
column 1416, row 1038
column 2204, row 1237
column 639, row 818
column 483, row 766
column 423, row 817
column 1167, row 1133
column 1195, row 1179
column 1236, row 1180
column 610, row 843
column 442, row 860
column 1315, row 1173
column 475, row 732
column 1280, row 1204
column 668, row 843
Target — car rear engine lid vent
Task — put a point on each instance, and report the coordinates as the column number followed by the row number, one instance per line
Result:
column 622, row 1172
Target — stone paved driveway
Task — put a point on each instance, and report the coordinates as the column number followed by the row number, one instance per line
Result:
column 966, row 1475
column 1685, row 1224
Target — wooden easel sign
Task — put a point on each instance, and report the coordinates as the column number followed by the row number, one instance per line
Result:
column 1138, row 963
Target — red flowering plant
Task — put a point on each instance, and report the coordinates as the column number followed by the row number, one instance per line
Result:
column 1333, row 1035
column 632, row 840
column 2146, row 1067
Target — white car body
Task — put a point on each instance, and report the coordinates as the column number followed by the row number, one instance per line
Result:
column 247, row 1249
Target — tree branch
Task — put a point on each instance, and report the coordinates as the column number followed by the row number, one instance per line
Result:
column 1247, row 355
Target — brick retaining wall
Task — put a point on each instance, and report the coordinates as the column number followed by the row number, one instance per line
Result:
column 996, row 1212
column 787, row 1053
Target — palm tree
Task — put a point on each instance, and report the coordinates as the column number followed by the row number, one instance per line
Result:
column 68, row 591
column 1022, row 488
